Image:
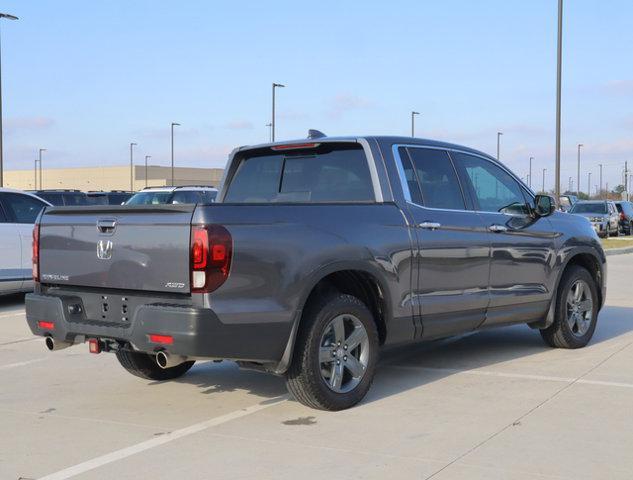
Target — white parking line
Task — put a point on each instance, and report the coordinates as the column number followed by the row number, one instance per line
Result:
column 12, row 314
column 20, row 364
column 158, row 441
column 488, row 373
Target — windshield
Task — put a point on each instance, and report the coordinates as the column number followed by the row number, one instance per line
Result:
column 589, row 208
column 149, row 198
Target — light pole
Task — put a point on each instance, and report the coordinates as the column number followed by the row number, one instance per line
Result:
column 270, row 131
column 173, row 124
column 40, row 162
column 559, row 71
column 543, row 189
column 580, row 145
column 132, row 145
column 569, row 185
column 35, row 174
column 530, row 184
column 413, row 114
column 147, row 157
column 272, row 121
column 8, row 17
column 600, row 191
column 499, row 144
column 589, row 184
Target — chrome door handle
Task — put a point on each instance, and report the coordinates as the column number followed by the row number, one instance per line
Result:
column 430, row 225
column 497, row 228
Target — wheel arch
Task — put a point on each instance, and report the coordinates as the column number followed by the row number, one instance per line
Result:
column 353, row 278
column 587, row 258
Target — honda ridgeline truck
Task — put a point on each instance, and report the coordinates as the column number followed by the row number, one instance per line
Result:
column 317, row 254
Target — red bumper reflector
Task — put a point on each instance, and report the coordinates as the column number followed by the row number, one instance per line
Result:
column 94, row 346
column 164, row 339
column 46, row 325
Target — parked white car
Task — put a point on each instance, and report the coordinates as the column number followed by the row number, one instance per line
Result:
column 18, row 212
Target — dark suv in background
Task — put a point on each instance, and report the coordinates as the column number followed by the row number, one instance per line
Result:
column 63, row 198
column 625, row 209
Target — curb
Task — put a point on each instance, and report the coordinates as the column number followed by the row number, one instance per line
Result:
column 618, row 251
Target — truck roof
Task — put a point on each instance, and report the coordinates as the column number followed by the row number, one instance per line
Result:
column 381, row 139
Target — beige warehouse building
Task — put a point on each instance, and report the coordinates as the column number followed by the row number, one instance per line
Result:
column 110, row 178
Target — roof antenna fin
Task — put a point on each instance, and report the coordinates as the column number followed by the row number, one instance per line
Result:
column 315, row 134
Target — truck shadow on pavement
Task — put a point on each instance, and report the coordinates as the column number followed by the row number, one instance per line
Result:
column 410, row 367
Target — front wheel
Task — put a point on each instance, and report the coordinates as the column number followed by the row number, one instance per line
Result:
column 144, row 365
column 335, row 355
column 576, row 311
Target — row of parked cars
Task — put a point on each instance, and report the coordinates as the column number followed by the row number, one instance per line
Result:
column 608, row 218
column 19, row 210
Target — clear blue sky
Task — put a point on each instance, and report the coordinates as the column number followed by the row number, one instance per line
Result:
column 83, row 79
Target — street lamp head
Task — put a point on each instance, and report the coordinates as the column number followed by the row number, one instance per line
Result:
column 8, row 16
column 174, row 124
column 280, row 85
column 499, row 133
column 415, row 113
column 133, row 144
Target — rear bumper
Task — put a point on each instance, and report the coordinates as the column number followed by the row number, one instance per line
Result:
column 196, row 331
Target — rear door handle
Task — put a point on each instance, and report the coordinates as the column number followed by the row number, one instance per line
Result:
column 430, row 225
column 498, row 228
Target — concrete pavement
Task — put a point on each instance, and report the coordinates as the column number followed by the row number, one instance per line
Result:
column 497, row 404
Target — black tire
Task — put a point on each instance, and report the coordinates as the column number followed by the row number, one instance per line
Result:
column 144, row 365
column 304, row 378
column 607, row 232
column 616, row 233
column 560, row 334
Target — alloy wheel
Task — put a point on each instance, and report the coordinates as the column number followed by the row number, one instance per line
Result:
column 579, row 308
column 343, row 353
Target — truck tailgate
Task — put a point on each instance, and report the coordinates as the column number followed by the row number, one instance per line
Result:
column 119, row 247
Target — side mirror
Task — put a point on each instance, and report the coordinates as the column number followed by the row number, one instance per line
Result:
column 545, row 205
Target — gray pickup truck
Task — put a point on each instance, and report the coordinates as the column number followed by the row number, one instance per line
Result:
column 317, row 254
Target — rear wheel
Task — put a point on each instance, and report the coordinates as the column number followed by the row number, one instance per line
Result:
column 616, row 232
column 144, row 365
column 335, row 354
column 576, row 310
column 607, row 232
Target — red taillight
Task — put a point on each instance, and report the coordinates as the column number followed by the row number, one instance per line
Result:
column 294, row 146
column 211, row 251
column 162, row 339
column 94, row 346
column 46, row 325
column 622, row 216
column 36, row 252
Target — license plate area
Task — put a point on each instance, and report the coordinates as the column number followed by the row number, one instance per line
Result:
column 102, row 308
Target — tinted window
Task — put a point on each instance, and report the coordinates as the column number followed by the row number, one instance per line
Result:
column 22, row 208
column 209, row 196
column 589, row 208
column 184, row 196
column 117, row 198
column 52, row 198
column 494, row 189
column 149, row 198
column 98, row 199
column 410, row 177
column 437, row 179
column 74, row 199
column 3, row 217
column 331, row 173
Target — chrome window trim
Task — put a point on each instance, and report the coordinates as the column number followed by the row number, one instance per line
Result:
column 405, row 185
column 373, row 171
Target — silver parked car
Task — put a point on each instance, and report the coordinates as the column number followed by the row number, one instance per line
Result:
column 602, row 214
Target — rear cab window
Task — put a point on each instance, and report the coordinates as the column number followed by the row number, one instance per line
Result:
column 329, row 172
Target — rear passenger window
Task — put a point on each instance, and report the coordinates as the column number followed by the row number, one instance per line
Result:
column 23, row 208
column 182, row 196
column 437, row 179
column 329, row 173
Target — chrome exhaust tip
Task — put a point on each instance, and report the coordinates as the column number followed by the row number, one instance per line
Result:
column 52, row 344
column 165, row 360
